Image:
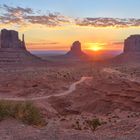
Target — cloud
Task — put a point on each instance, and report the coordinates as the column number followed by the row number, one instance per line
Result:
column 52, row 19
column 108, row 22
column 14, row 14
column 117, row 43
column 42, row 44
column 20, row 16
column 14, row 10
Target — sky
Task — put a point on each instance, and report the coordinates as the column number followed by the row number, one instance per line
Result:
column 56, row 24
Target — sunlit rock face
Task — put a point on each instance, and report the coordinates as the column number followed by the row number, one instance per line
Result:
column 132, row 44
column 76, row 51
column 10, row 39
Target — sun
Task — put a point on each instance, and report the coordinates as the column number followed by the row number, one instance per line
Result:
column 94, row 46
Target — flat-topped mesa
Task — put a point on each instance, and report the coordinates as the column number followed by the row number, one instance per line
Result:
column 132, row 44
column 10, row 39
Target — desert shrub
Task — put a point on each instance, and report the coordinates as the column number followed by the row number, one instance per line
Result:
column 77, row 126
column 93, row 124
column 25, row 112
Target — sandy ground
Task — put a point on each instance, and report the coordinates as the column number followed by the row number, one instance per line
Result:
column 71, row 89
column 35, row 82
column 112, row 96
column 13, row 130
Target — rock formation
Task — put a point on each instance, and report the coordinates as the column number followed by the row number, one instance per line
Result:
column 13, row 50
column 131, row 53
column 76, row 47
column 10, row 39
column 76, row 51
column 132, row 44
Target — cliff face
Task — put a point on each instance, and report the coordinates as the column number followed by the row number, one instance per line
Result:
column 131, row 53
column 75, row 51
column 10, row 39
column 76, row 47
column 132, row 44
column 13, row 50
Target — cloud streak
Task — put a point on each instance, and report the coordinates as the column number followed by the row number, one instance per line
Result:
column 42, row 44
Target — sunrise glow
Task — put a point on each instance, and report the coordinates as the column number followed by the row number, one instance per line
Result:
column 95, row 46
column 48, row 27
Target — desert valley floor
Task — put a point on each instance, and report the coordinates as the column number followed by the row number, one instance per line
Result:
column 71, row 95
column 69, row 69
